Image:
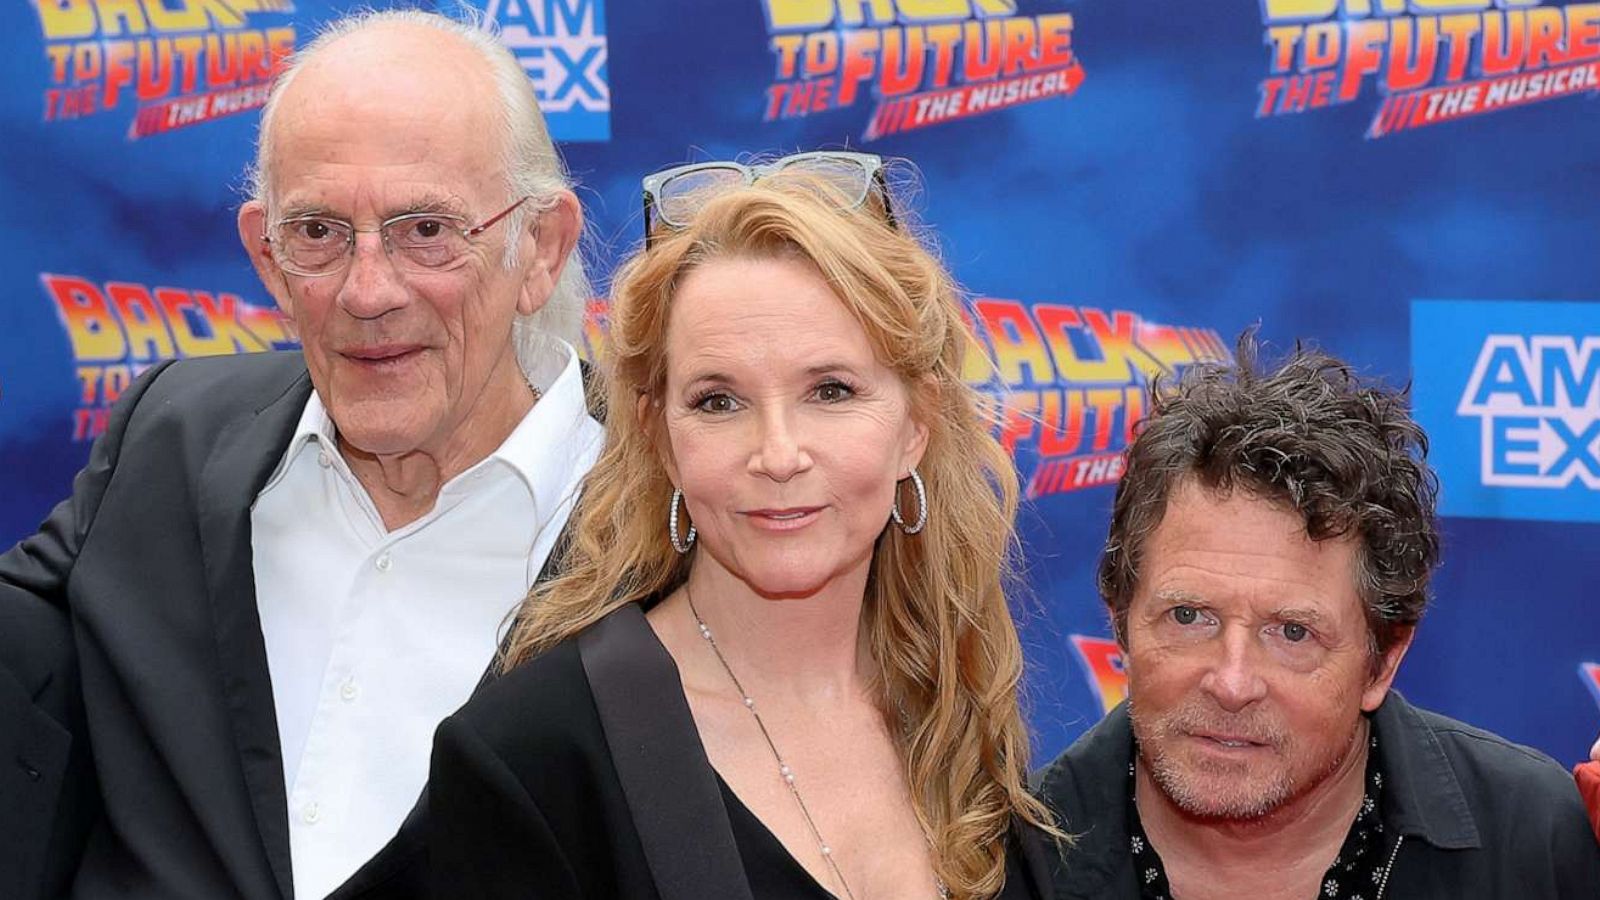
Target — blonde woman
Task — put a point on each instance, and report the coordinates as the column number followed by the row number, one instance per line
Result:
column 780, row 662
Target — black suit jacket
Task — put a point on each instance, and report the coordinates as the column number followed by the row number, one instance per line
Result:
column 47, row 786
column 151, row 559
column 580, row 776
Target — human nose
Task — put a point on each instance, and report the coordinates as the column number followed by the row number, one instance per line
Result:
column 1234, row 679
column 372, row 286
column 779, row 453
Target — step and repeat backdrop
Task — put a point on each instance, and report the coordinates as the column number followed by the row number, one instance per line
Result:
column 1122, row 185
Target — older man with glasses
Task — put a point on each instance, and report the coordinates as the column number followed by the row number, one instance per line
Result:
column 283, row 570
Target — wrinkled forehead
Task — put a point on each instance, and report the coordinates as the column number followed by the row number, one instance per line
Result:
column 1237, row 546
column 385, row 114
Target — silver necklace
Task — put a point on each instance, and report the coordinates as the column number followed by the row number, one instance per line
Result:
column 786, row 773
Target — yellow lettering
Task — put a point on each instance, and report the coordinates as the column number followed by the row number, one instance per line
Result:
column 192, row 15
column 799, row 15
column 1297, row 10
column 66, row 18
column 932, row 10
column 121, row 17
column 1439, row 6
column 985, row 9
column 879, row 12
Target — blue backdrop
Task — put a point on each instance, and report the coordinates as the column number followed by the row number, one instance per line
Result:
column 1123, row 186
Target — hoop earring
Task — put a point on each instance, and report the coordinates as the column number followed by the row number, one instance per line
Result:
column 922, row 506
column 672, row 525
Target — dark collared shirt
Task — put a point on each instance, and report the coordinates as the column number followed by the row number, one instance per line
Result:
column 1474, row 815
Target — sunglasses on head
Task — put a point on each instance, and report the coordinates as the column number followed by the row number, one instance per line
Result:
column 673, row 196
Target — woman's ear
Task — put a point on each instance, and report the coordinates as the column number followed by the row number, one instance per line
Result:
column 923, row 397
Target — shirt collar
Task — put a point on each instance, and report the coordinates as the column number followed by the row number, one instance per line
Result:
column 1425, row 798
column 315, row 426
column 548, row 448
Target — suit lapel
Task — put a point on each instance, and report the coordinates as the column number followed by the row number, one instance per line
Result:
column 245, row 454
column 668, row 782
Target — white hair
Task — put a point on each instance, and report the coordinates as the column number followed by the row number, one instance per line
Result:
column 532, row 165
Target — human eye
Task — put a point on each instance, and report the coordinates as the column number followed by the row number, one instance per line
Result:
column 715, row 402
column 429, row 241
column 834, row 391
column 313, row 245
column 1292, row 632
column 421, row 230
column 312, row 231
column 1187, row 615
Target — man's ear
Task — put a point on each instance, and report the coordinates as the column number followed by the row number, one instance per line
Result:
column 547, row 240
column 253, row 234
column 648, row 413
column 1385, row 667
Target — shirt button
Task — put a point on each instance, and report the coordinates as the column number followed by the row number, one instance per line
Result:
column 383, row 562
column 324, row 460
column 348, row 691
column 311, row 814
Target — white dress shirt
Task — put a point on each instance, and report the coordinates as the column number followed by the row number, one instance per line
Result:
column 374, row 636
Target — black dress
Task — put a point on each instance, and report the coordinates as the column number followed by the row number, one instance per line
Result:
column 775, row 874
column 539, row 789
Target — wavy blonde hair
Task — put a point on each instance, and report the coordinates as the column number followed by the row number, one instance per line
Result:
column 935, row 615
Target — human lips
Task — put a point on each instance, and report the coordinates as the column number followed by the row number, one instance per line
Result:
column 783, row 519
column 381, row 355
column 1228, row 741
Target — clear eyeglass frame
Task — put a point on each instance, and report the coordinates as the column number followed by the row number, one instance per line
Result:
column 441, row 250
column 672, row 196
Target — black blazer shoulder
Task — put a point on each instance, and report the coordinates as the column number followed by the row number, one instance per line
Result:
column 522, row 793
column 550, row 689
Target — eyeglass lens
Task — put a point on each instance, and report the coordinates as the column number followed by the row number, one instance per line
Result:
column 682, row 195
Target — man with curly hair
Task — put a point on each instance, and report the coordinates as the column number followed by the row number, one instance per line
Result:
column 1266, row 568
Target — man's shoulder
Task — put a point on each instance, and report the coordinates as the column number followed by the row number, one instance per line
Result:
column 200, row 384
column 1091, row 771
column 1522, row 804
column 1488, row 765
column 1107, row 743
column 1517, row 795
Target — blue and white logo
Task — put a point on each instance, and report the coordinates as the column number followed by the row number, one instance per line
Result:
column 1510, row 395
column 562, row 45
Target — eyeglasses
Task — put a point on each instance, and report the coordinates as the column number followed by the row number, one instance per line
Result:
column 672, row 196
column 314, row 246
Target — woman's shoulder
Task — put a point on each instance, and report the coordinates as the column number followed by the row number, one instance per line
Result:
column 547, row 704
column 540, row 705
